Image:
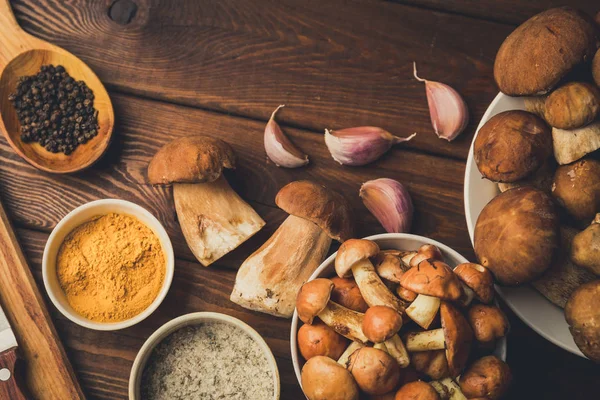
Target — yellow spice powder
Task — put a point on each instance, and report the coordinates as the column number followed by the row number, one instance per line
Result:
column 111, row 268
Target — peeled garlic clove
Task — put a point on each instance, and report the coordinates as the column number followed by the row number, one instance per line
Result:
column 389, row 201
column 360, row 145
column 279, row 148
column 447, row 109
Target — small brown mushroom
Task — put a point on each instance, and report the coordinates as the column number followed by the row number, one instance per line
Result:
column 319, row 339
column 488, row 322
column 576, row 187
column 488, row 377
column 426, row 252
column 582, row 313
column 431, row 363
column 477, row 278
column 390, row 266
column 418, row 390
column 213, row 217
column 375, row 371
column 585, row 248
column 573, row 105
column 324, row 379
column 346, row 293
column 381, row 323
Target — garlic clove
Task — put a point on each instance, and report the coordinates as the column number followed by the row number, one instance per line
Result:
column 360, row 145
column 447, row 109
column 389, row 201
column 279, row 148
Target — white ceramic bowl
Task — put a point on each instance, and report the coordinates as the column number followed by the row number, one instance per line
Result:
column 401, row 241
column 193, row 319
column 534, row 309
column 74, row 219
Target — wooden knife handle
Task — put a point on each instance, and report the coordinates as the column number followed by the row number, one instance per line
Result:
column 11, row 381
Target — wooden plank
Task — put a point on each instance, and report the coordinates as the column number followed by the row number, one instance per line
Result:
column 335, row 63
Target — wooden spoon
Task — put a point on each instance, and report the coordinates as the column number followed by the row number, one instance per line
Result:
column 22, row 54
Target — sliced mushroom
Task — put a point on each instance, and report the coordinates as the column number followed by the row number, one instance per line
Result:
column 319, row 339
column 488, row 322
column 431, row 363
column 448, row 389
column 418, row 390
column 478, row 279
column 375, row 371
column 345, row 357
column 268, row 281
column 213, row 218
column 324, row 379
column 488, row 377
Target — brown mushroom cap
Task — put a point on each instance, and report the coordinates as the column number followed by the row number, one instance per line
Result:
column 540, row 52
column 488, row 322
column 325, row 379
column 572, row 105
column 351, row 252
column 582, row 313
column 488, row 377
column 431, row 363
column 426, row 252
column 194, row 159
column 320, row 340
column 458, row 335
column 326, row 208
column 381, row 323
column 418, row 390
column 517, row 234
column 478, row 278
column 389, row 266
column 596, row 66
column 576, row 187
column 432, row 278
column 512, row 145
column 313, row 298
column 346, row 293
column 374, row 370
column 585, row 247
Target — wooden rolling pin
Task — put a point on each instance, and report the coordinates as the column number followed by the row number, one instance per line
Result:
column 48, row 373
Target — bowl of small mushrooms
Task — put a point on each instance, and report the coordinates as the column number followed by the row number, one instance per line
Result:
column 399, row 314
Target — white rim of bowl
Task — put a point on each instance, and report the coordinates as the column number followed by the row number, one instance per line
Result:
column 169, row 266
column 173, row 325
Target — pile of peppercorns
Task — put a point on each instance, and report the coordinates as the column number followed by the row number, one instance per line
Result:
column 55, row 110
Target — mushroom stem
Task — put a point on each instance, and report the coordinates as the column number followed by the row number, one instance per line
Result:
column 448, row 389
column 381, row 346
column 345, row 357
column 214, row 218
column 425, row 341
column 269, row 280
column 395, row 348
column 423, row 310
column 344, row 321
column 372, row 287
column 467, row 296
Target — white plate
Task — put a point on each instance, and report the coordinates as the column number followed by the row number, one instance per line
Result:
column 534, row 309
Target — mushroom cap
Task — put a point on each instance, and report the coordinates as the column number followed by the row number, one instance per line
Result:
column 320, row 340
column 431, row 363
column 374, row 370
column 381, row 323
column 582, row 313
column 458, row 335
column 489, row 377
column 427, row 251
column 327, row 209
column 596, row 65
column 351, row 252
column 325, row 379
column 389, row 265
column 585, row 247
column 488, row 322
column 512, row 145
column 346, row 293
column 478, row 278
column 576, row 187
column 418, row 390
column 432, row 278
column 313, row 298
column 572, row 105
column 540, row 52
column 194, row 159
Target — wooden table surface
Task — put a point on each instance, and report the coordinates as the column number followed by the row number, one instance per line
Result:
column 219, row 68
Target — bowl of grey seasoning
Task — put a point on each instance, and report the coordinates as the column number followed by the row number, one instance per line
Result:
column 204, row 356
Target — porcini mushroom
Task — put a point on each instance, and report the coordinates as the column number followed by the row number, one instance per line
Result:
column 488, row 322
column 268, row 281
column 576, row 187
column 489, row 377
column 346, row 293
column 426, row 252
column 455, row 336
column 375, row 371
column 381, row 325
column 571, row 145
column 324, row 379
column 319, row 339
column 573, row 105
column 585, row 248
column 345, row 357
column 213, row 218
column 418, row 390
column 313, row 301
column 582, row 313
column 477, row 278
column 448, row 389
column 390, row 266
column 431, row 363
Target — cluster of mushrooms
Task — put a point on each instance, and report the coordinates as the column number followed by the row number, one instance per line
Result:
column 401, row 325
column 545, row 161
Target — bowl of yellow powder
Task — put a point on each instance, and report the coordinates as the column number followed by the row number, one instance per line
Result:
column 108, row 264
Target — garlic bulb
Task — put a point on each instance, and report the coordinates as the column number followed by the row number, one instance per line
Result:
column 389, row 201
column 447, row 109
column 279, row 148
column 360, row 145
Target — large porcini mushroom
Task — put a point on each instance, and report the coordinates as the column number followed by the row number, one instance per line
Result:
column 576, row 187
column 418, row 390
column 455, row 336
column 517, row 234
column 213, row 218
column 346, row 293
column 269, row 280
column 512, row 145
column 353, row 260
column 477, row 278
column 374, row 370
column 381, row 325
column 431, row 363
column 542, row 50
column 319, row 339
column 582, row 313
column 314, row 301
column 571, row 145
column 324, row 379
column 489, row 377
column 585, row 248
column 488, row 322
